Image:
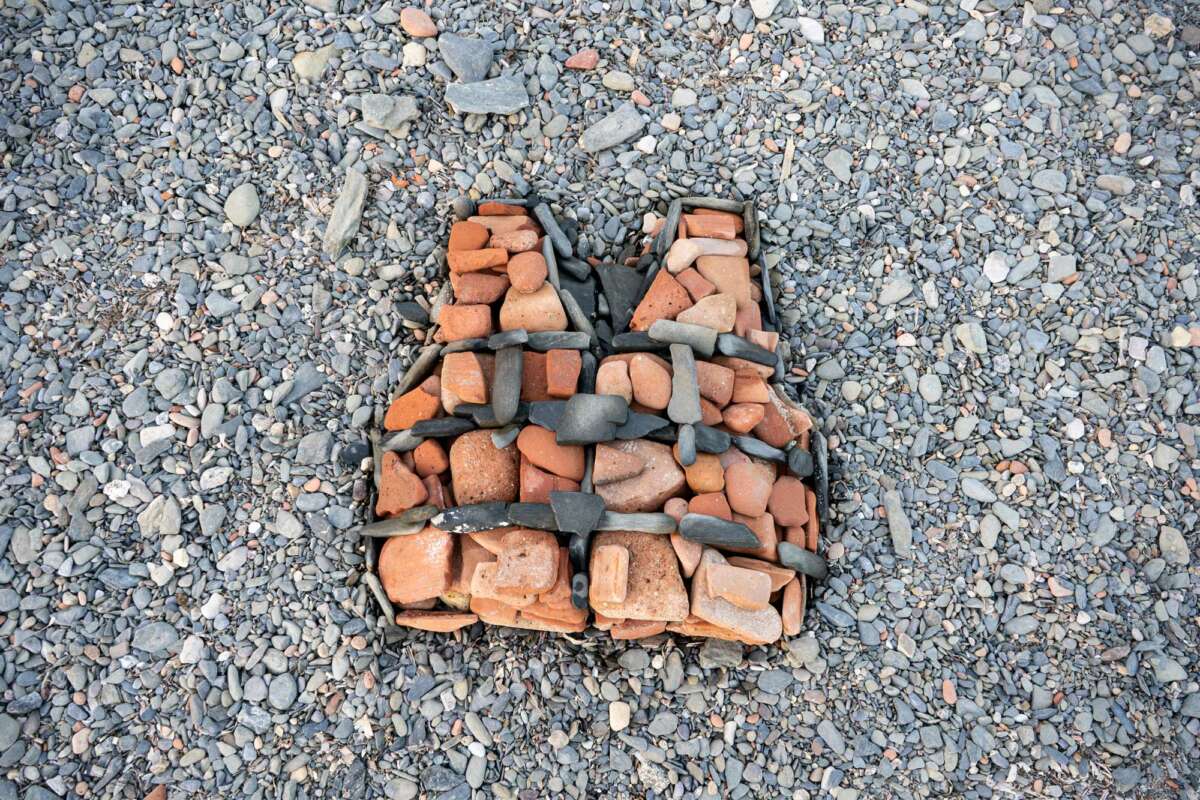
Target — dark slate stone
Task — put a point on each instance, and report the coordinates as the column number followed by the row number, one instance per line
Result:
column 729, row 344
column 400, row 442
column 422, row 367
column 547, row 413
column 584, row 292
column 554, row 233
column 523, row 202
column 604, row 333
column 532, row 515
column 442, row 426
column 768, row 298
column 821, row 472
column 576, row 512
column 667, row 435
column 578, row 549
column 506, row 384
column 750, row 230
column 670, row 227
column 465, row 346
column 714, row 203
column 759, row 449
column 637, row 342
column 590, row 418
column 639, row 522
column 587, row 373
column 417, row 514
column 697, row 337
column 711, row 440
column 505, row 436
column 684, row 407
column 413, row 312
column 469, row 57
column 576, row 315
column 716, row 531
column 472, row 518
column 620, row 285
column 579, row 270
column 579, row 590
column 800, row 462
column 551, row 263
column 687, row 445
column 803, row 561
column 499, row 341
column 352, row 454
column 638, row 425
column 542, row 341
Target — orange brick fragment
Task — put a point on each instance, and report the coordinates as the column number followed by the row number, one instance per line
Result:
column 475, row 260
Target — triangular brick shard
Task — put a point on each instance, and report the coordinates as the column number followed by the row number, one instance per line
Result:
column 600, row 442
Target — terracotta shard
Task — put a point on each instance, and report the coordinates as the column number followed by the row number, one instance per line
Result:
column 761, row 626
column 503, row 223
column 415, row 405
column 745, row 588
column 481, row 472
column 467, row 236
column 539, row 446
column 636, row 629
column 536, row 484
column 436, row 621
column 416, row 567
column 613, row 378
column 466, row 378
column 478, row 287
column 461, row 321
column 655, row 589
column 484, row 586
column 612, row 465
column 788, row 503
column 493, row 208
column 664, row 300
column 528, row 562
column 711, row 226
column 562, row 372
column 730, row 274
column 660, row 479
column 688, row 553
column 534, row 385
column 540, row 310
column 780, row 576
column 475, row 260
column 609, row 574
column 399, row 487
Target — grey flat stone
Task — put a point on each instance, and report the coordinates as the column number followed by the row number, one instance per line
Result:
column 468, row 57
column 684, row 406
column 503, row 95
column 347, row 211
column 699, row 338
column 618, row 126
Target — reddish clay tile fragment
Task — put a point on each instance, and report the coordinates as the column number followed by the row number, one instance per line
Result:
column 467, row 236
column 399, row 488
column 481, row 472
column 664, row 300
column 416, row 567
column 413, row 406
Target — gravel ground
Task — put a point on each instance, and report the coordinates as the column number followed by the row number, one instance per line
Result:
column 984, row 220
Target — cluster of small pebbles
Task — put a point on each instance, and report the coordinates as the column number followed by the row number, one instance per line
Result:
column 222, row 234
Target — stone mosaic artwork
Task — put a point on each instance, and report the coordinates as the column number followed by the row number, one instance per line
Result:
column 644, row 474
